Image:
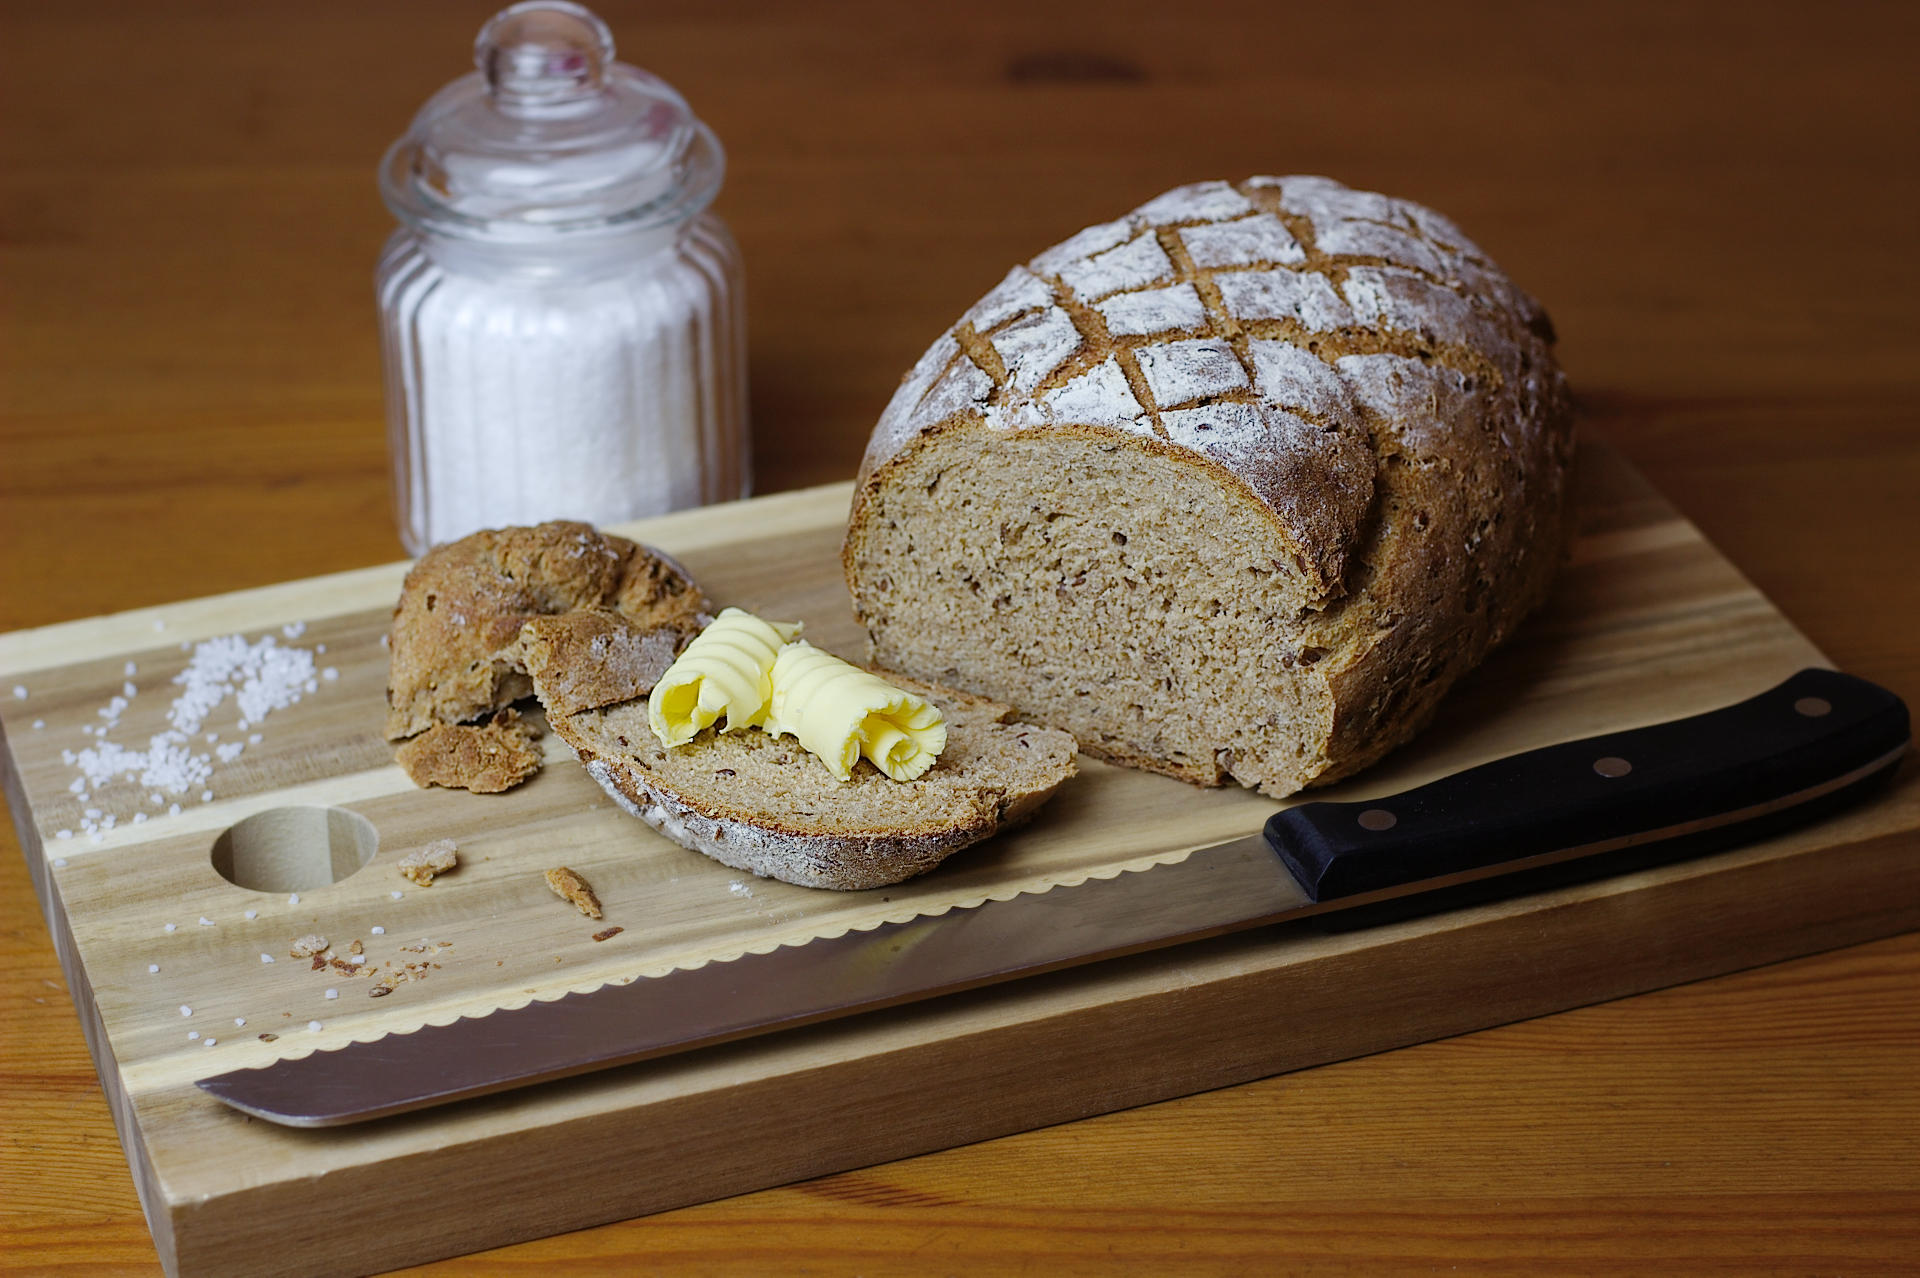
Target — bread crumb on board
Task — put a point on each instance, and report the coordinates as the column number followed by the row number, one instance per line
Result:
column 608, row 934
column 570, row 887
column 422, row 864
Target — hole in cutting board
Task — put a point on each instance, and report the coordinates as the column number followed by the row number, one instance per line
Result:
column 294, row 849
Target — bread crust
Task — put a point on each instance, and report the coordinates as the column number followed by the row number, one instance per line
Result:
column 1340, row 378
column 454, row 652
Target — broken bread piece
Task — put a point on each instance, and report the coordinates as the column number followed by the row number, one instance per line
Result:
column 485, row 758
column 455, row 652
column 423, row 865
column 761, row 803
column 571, row 888
column 594, row 657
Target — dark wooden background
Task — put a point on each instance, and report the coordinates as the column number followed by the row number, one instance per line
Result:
column 1717, row 203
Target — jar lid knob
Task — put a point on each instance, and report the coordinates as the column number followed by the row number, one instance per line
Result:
column 540, row 55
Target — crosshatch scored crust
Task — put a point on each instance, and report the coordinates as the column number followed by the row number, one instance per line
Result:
column 1233, row 488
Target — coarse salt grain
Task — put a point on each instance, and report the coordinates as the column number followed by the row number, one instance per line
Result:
column 39, row 724
column 59, row 863
column 20, row 691
column 131, row 670
column 128, row 690
column 253, row 914
column 293, row 899
column 266, row 958
column 153, row 967
column 254, row 739
column 396, row 894
column 185, row 1010
column 139, row 818
column 96, row 838
column 210, row 1042
column 330, row 674
column 173, row 809
column 378, row 930
column 262, row 677
column 192, row 1034
column 313, row 1027
column 239, row 1020
column 205, row 921
column 63, row 834
column 170, row 927
column 333, row 993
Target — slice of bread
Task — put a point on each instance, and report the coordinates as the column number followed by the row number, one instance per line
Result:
column 761, row 803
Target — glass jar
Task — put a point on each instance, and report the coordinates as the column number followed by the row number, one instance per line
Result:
column 563, row 322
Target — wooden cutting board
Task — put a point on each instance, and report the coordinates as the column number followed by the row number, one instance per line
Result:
column 179, row 973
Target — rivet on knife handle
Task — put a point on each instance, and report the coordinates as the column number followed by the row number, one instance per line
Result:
column 1759, row 762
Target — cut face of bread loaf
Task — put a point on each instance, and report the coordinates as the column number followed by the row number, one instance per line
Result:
column 761, row 803
column 1232, row 488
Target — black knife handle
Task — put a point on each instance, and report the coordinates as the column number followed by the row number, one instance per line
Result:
column 1741, row 768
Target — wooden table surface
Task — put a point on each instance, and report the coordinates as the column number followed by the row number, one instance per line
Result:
column 1716, row 203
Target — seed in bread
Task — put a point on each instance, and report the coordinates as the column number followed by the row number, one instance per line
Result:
column 1232, row 488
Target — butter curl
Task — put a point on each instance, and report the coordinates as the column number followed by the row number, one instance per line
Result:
column 725, row 671
column 840, row 712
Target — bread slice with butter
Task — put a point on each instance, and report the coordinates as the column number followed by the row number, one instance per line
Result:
column 761, row 803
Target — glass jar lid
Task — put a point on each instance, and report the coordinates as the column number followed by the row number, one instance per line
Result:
column 551, row 137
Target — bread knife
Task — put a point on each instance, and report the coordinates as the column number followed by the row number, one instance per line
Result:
column 1587, row 808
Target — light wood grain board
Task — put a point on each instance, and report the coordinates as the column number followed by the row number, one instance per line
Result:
column 1648, row 623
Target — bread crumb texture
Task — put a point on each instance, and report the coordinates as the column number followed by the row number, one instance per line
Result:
column 1232, row 488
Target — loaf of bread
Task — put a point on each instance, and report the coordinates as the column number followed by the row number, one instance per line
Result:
column 1232, row 488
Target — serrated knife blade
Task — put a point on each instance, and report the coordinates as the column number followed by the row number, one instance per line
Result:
column 1599, row 804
